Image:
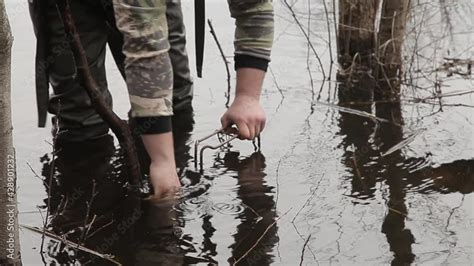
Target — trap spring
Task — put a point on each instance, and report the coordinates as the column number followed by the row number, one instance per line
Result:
column 224, row 139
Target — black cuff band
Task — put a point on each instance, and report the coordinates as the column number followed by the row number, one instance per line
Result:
column 243, row 60
column 152, row 125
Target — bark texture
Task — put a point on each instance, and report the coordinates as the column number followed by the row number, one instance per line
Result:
column 390, row 39
column 9, row 234
column 356, row 36
column 371, row 58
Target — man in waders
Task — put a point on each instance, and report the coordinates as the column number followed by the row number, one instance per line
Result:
column 147, row 40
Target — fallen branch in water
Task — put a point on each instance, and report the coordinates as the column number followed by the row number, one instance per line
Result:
column 447, row 94
column 356, row 112
column 226, row 63
column 71, row 244
column 118, row 126
column 411, row 137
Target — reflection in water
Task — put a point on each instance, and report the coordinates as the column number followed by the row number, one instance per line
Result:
column 364, row 141
column 256, row 212
column 160, row 240
column 388, row 135
column 96, row 166
column 259, row 213
column 88, row 206
column 87, row 199
column 457, row 176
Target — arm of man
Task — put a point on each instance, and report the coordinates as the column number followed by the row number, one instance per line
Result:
column 150, row 84
column 253, row 43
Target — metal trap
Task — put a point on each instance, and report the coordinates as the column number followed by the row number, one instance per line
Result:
column 224, row 137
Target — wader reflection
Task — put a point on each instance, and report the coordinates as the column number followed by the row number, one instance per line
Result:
column 94, row 168
column 259, row 210
column 87, row 199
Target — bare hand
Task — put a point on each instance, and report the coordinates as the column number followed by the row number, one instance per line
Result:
column 164, row 180
column 248, row 115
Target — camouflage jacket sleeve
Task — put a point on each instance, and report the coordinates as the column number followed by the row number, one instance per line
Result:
column 254, row 27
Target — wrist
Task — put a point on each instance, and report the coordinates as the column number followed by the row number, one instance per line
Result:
column 163, row 161
column 249, row 84
column 167, row 169
column 242, row 97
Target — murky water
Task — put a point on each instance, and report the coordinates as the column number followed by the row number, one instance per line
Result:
column 327, row 186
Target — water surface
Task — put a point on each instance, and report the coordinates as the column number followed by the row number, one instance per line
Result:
column 319, row 192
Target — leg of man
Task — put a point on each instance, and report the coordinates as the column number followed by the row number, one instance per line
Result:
column 183, row 83
column 76, row 117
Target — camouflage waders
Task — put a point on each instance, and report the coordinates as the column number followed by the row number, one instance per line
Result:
column 54, row 65
column 148, row 28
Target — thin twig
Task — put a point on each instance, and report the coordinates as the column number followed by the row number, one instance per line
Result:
column 71, row 243
column 252, row 210
column 307, row 37
column 447, row 94
column 36, row 175
column 304, row 248
column 307, row 201
column 276, row 83
column 61, row 207
column 302, row 238
column 329, row 39
column 88, row 212
column 278, row 88
column 50, row 181
column 89, row 226
column 260, row 238
column 307, row 56
column 226, row 63
column 100, row 228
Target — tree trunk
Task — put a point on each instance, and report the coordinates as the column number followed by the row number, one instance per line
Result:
column 9, row 234
column 389, row 46
column 356, row 46
column 356, row 36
